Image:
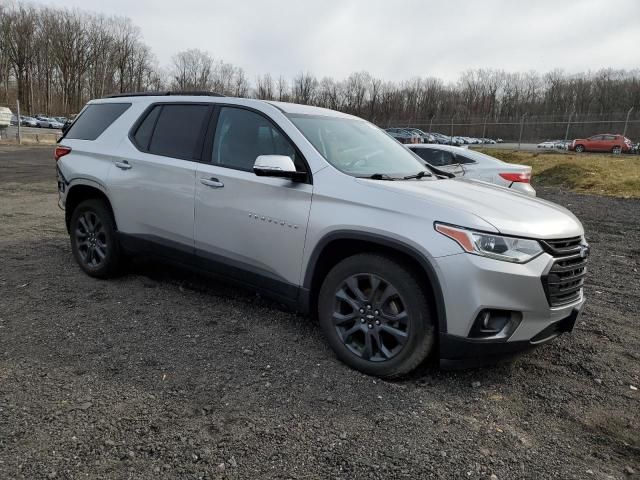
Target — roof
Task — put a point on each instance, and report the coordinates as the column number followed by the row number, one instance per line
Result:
column 285, row 107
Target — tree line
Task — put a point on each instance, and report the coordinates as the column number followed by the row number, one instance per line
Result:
column 54, row 60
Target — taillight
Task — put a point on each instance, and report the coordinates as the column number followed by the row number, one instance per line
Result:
column 524, row 177
column 61, row 151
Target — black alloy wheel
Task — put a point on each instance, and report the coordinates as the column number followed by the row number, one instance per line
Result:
column 377, row 315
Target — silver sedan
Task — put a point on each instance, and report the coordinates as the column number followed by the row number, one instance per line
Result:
column 469, row 163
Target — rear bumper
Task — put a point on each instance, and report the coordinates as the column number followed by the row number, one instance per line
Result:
column 62, row 187
column 461, row 352
column 522, row 187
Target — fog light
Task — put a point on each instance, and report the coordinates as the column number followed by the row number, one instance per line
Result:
column 495, row 324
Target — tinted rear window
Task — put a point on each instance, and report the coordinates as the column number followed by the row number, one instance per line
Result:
column 178, row 130
column 437, row 158
column 95, row 119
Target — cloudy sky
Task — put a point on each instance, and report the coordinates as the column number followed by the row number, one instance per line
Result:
column 393, row 40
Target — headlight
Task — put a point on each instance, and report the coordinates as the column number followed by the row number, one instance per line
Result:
column 508, row 249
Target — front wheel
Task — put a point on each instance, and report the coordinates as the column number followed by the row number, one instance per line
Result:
column 376, row 316
column 93, row 239
column 616, row 150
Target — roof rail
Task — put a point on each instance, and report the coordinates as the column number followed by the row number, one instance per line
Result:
column 163, row 93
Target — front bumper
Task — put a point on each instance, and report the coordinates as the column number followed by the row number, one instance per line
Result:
column 472, row 284
column 461, row 352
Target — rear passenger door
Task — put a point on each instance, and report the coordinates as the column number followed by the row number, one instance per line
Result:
column 594, row 144
column 152, row 183
column 252, row 228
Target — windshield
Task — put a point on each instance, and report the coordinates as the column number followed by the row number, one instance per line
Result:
column 357, row 147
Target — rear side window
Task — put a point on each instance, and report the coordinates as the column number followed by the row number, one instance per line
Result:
column 437, row 158
column 178, row 130
column 462, row 159
column 95, row 119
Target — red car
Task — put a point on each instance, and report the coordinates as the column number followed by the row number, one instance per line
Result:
column 607, row 142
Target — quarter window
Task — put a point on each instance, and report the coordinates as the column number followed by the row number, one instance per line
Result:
column 95, row 119
column 145, row 130
column 242, row 135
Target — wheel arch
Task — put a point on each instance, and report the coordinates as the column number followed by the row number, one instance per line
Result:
column 79, row 192
column 339, row 245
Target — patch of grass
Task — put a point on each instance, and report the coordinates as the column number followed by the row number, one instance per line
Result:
column 613, row 175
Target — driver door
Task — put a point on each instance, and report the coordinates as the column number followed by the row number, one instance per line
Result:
column 251, row 227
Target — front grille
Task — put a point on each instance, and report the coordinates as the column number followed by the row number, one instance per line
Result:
column 564, row 280
column 563, row 246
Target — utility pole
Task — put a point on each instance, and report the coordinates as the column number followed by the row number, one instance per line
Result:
column 624, row 133
column 430, row 124
column 451, row 138
column 521, row 129
column 566, row 133
column 484, row 126
column 19, row 122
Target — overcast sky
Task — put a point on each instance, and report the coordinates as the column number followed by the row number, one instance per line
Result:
column 393, row 40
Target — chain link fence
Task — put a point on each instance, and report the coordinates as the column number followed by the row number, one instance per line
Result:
column 13, row 131
column 531, row 128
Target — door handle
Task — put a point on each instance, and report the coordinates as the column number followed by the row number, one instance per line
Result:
column 212, row 182
column 123, row 165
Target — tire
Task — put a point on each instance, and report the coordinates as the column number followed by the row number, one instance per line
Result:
column 93, row 239
column 617, row 150
column 385, row 337
column 579, row 148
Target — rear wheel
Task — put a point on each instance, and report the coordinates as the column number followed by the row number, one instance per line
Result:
column 93, row 239
column 616, row 150
column 376, row 316
column 579, row 148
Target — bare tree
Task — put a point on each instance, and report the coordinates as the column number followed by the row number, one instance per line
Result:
column 54, row 60
column 193, row 70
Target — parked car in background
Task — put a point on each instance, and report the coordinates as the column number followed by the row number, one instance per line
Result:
column 426, row 137
column 28, row 122
column 441, row 138
column 403, row 135
column 607, row 142
column 14, row 120
column 547, row 145
column 46, row 122
column 5, row 117
column 476, row 165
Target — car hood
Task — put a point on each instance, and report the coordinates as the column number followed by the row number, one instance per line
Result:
column 509, row 212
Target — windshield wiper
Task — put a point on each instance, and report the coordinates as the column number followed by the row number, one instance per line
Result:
column 418, row 175
column 380, row 176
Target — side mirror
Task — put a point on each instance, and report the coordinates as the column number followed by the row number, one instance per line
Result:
column 277, row 166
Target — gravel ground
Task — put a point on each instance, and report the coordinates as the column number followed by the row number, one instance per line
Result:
column 163, row 374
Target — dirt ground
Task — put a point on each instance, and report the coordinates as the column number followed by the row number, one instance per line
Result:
column 163, row 374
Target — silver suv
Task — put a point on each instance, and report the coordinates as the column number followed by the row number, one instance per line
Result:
column 326, row 213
